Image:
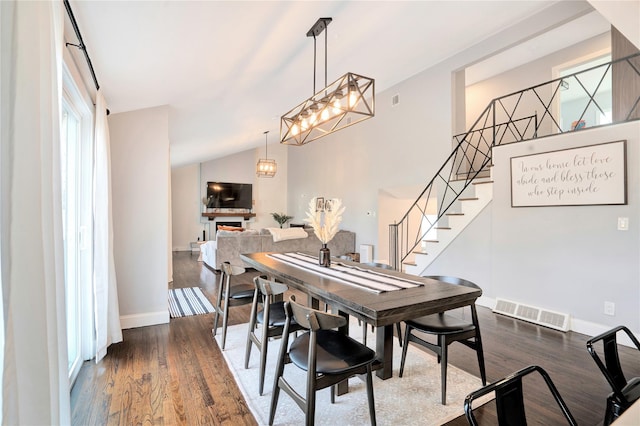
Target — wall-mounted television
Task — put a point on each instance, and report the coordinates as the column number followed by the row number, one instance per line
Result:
column 223, row 195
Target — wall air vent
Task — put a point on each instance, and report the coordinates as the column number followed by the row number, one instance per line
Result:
column 536, row 315
column 505, row 307
column 395, row 100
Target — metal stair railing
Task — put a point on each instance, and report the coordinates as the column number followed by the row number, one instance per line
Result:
column 524, row 115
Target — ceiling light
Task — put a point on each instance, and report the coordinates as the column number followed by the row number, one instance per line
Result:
column 266, row 167
column 347, row 101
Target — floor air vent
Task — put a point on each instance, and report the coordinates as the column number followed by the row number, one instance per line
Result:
column 533, row 314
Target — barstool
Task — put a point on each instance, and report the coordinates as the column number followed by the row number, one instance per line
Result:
column 236, row 295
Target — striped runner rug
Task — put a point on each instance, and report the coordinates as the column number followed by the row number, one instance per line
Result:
column 364, row 278
column 184, row 302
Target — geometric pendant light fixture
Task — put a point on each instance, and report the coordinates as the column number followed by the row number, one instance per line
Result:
column 266, row 167
column 343, row 103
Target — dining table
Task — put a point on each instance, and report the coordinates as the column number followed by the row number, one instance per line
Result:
column 376, row 296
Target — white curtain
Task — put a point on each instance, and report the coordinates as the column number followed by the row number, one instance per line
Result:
column 107, row 311
column 35, row 385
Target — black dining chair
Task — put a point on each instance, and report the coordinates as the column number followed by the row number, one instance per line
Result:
column 271, row 320
column 326, row 354
column 509, row 398
column 624, row 392
column 230, row 295
column 448, row 329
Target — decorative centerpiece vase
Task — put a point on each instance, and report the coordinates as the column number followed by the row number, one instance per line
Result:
column 324, row 258
column 325, row 217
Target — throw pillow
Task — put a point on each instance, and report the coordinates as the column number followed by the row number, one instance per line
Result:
column 230, row 228
column 287, row 234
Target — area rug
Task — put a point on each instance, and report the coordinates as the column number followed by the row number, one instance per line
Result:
column 413, row 399
column 184, row 302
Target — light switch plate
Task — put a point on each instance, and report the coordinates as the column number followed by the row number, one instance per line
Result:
column 623, row 224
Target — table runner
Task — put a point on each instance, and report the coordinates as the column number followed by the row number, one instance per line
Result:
column 366, row 279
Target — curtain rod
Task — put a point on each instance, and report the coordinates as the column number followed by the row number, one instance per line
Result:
column 81, row 46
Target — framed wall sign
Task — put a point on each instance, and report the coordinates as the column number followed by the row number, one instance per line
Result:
column 590, row 175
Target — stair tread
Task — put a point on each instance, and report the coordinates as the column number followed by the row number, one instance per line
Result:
column 419, row 252
column 442, row 227
column 469, row 199
column 454, row 214
column 482, row 182
column 410, row 263
column 431, row 241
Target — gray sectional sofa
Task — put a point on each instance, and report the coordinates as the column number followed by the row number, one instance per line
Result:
column 229, row 245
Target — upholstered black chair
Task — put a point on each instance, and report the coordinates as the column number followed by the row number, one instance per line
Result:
column 327, row 355
column 271, row 320
column 229, row 296
column 448, row 329
column 509, row 398
column 625, row 392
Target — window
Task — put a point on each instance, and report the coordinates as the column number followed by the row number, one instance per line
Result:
column 577, row 109
column 76, row 165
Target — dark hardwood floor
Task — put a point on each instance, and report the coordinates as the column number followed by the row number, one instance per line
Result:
column 175, row 374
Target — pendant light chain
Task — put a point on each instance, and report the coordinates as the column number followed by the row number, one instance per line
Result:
column 266, row 152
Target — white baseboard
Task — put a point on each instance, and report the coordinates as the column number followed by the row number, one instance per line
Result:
column 593, row 329
column 143, row 320
column 179, row 248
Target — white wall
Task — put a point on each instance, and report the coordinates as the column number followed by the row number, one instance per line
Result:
column 570, row 259
column 140, row 173
column 623, row 14
column 186, row 206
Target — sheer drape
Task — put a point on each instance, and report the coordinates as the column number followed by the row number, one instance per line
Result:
column 107, row 312
column 35, row 384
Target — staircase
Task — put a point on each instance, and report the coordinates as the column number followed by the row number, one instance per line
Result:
column 466, row 208
column 461, row 188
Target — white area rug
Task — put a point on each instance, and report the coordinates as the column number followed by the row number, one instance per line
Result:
column 413, row 399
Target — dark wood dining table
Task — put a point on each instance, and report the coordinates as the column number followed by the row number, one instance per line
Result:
column 381, row 310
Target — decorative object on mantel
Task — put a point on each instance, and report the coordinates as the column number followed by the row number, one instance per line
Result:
column 281, row 218
column 205, row 202
column 347, row 101
column 325, row 224
column 266, row 167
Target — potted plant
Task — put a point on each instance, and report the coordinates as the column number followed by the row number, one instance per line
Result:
column 281, row 218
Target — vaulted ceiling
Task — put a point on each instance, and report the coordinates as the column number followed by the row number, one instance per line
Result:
column 228, row 70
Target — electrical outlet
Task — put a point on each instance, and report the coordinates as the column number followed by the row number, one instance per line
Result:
column 609, row 308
